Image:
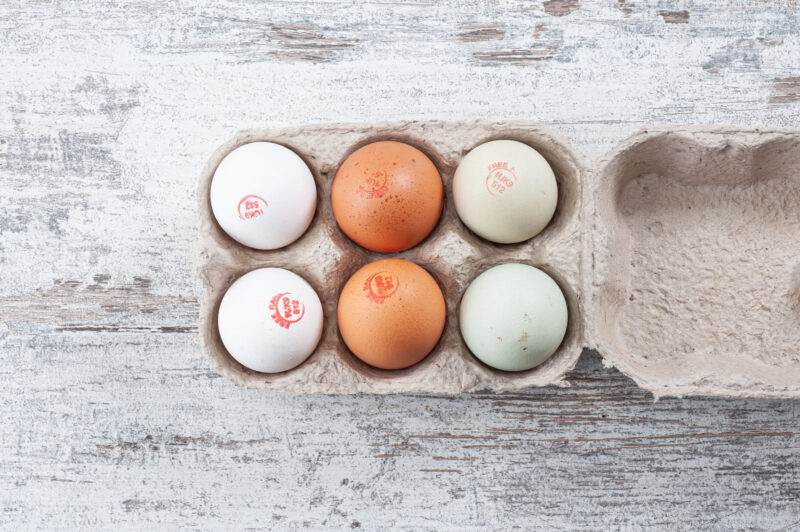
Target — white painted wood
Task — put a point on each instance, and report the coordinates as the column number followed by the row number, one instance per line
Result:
column 111, row 416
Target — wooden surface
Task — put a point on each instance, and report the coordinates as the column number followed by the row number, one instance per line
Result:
column 111, row 417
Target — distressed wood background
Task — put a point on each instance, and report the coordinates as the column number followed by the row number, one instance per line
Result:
column 110, row 417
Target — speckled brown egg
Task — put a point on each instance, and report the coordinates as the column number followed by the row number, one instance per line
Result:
column 391, row 313
column 387, row 196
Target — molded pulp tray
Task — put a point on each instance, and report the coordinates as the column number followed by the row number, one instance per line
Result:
column 678, row 253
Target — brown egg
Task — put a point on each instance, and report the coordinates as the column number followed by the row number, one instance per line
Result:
column 391, row 313
column 387, row 196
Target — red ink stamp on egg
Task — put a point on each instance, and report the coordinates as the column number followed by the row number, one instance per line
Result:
column 500, row 178
column 285, row 309
column 381, row 285
column 251, row 206
column 374, row 186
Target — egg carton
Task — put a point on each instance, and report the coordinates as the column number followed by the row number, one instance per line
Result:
column 678, row 254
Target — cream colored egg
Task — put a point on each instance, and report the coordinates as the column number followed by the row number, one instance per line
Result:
column 505, row 191
column 513, row 317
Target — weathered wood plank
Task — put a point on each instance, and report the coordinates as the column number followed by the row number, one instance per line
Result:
column 111, row 416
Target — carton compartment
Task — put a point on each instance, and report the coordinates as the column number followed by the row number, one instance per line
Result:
column 451, row 253
column 701, row 287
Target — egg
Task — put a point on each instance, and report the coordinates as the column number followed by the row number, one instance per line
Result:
column 270, row 320
column 263, row 195
column 391, row 313
column 505, row 191
column 387, row 196
column 513, row 317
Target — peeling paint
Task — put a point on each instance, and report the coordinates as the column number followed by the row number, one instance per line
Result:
column 303, row 42
column 624, row 6
column 481, row 32
column 517, row 56
column 785, row 90
column 742, row 54
column 675, row 17
column 560, row 8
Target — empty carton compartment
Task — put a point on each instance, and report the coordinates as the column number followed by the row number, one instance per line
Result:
column 696, row 255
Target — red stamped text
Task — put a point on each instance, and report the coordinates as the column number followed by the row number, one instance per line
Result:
column 380, row 286
column 374, row 186
column 501, row 178
column 251, row 206
column 285, row 309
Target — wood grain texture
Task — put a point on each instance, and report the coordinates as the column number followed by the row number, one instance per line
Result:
column 111, row 416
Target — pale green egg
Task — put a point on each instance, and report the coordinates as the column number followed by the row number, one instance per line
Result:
column 513, row 317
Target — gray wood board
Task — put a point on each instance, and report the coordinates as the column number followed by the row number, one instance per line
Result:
column 111, row 415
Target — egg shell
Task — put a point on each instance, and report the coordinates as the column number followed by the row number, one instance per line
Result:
column 270, row 320
column 391, row 313
column 513, row 317
column 263, row 195
column 505, row 191
column 387, row 196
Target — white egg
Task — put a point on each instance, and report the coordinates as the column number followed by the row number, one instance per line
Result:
column 505, row 191
column 513, row 317
column 263, row 195
column 270, row 320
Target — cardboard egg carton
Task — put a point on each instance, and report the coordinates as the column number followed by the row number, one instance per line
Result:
column 678, row 254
